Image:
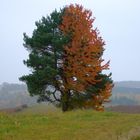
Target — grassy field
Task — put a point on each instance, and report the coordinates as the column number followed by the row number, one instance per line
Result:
column 38, row 123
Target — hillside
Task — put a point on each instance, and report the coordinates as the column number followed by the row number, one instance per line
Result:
column 12, row 95
column 127, row 90
column 124, row 93
column 128, row 84
column 73, row 125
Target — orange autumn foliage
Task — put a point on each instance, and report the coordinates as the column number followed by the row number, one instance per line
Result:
column 82, row 60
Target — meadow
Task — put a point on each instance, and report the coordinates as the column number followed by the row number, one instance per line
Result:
column 48, row 123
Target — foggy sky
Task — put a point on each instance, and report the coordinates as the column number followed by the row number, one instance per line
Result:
column 117, row 20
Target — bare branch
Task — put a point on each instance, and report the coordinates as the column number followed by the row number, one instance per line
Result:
column 55, row 96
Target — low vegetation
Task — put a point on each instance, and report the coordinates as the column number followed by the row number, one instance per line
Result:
column 40, row 123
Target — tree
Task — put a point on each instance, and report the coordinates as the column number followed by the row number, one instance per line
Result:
column 65, row 58
column 83, row 57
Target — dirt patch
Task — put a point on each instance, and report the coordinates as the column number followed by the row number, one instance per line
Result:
column 14, row 110
column 124, row 109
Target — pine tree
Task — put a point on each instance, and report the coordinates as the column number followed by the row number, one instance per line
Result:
column 45, row 53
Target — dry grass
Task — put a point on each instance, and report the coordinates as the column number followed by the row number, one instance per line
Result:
column 46, row 124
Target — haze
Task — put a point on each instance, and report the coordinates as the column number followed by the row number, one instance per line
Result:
column 118, row 22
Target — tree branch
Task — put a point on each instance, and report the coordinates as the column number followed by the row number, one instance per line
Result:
column 55, row 96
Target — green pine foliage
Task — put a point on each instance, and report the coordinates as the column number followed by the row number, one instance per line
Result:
column 45, row 49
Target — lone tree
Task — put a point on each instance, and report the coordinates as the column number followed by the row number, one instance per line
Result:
column 66, row 61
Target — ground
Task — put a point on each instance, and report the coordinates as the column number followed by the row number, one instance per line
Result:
column 48, row 123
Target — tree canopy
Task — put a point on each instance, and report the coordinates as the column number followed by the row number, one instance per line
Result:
column 65, row 57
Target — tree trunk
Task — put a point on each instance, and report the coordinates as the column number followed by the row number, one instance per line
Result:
column 65, row 101
column 65, row 106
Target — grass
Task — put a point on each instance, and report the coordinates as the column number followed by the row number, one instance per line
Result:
column 136, row 138
column 32, row 124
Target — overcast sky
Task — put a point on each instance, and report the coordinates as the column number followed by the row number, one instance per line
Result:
column 117, row 20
